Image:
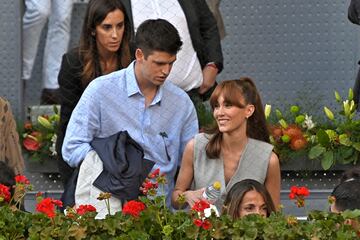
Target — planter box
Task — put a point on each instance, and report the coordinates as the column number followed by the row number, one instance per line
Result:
column 49, row 165
column 305, row 164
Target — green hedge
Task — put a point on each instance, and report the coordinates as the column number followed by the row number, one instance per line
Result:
column 159, row 223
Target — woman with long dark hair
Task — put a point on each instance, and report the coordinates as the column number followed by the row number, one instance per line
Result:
column 104, row 48
column 236, row 148
column 248, row 197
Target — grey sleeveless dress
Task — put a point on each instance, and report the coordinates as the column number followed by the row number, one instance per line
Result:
column 253, row 164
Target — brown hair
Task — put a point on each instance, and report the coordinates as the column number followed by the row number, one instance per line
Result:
column 233, row 91
column 96, row 12
column 237, row 192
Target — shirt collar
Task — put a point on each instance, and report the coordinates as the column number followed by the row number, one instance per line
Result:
column 131, row 84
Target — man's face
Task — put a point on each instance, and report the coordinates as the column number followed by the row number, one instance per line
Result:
column 155, row 67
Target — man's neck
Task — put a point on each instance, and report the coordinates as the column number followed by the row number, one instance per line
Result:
column 148, row 89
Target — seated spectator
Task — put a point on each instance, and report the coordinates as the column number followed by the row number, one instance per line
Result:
column 351, row 174
column 156, row 114
column 236, row 148
column 104, row 48
column 248, row 197
column 346, row 196
column 10, row 150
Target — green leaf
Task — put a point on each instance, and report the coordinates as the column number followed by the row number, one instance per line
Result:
column 344, row 139
column 316, row 151
column 328, row 160
column 356, row 145
column 323, row 137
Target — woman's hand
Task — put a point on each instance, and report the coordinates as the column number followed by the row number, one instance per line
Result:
column 193, row 196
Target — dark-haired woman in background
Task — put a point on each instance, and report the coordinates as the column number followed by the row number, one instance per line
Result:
column 248, row 197
column 236, row 148
column 104, row 48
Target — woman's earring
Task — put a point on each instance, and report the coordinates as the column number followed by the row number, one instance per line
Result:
column 93, row 33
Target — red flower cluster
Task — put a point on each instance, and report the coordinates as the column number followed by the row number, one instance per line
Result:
column 205, row 224
column 200, row 206
column 200, row 220
column 299, row 193
column 21, row 179
column 5, row 194
column 151, row 183
column 155, row 173
column 47, row 206
column 82, row 209
column 133, row 208
column 149, row 187
column 31, row 141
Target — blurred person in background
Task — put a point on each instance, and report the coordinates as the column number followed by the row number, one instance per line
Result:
column 200, row 59
column 58, row 15
column 10, row 150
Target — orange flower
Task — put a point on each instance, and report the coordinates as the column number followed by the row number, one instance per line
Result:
column 293, row 131
column 28, row 125
column 297, row 143
column 276, row 132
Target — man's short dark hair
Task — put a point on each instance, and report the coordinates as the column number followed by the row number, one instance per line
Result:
column 157, row 35
column 347, row 195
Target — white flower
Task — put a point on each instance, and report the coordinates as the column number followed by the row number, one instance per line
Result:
column 53, row 148
column 308, row 123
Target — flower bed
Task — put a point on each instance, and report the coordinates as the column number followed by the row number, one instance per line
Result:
column 149, row 218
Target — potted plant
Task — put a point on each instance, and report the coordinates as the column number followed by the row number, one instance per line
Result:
column 338, row 142
column 38, row 141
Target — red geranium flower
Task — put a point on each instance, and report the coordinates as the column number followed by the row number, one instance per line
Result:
column 155, row 173
column 299, row 193
column 5, row 193
column 31, row 144
column 201, row 205
column 47, row 206
column 198, row 222
column 22, row 179
column 133, row 208
column 82, row 209
column 205, row 224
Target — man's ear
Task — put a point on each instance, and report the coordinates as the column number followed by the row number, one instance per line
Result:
column 139, row 55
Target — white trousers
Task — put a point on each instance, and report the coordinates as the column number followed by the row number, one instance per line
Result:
column 37, row 12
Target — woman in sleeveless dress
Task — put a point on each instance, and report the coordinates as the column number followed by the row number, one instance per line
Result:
column 236, row 148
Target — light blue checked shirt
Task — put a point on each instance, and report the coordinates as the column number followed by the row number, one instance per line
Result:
column 114, row 102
